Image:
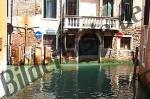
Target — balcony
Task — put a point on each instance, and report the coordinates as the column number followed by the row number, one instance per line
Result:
column 90, row 22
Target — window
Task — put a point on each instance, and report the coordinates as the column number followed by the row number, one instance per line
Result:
column 71, row 7
column 107, row 8
column 70, row 41
column 126, row 10
column 50, row 8
column 125, row 43
column 50, row 40
column 107, row 41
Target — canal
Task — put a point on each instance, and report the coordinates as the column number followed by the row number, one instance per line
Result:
column 85, row 81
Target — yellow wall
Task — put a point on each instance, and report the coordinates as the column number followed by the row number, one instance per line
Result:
column 3, row 33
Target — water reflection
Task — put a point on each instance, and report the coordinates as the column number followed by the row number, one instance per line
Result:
column 88, row 82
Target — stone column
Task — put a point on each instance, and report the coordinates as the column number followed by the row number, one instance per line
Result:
column 100, row 46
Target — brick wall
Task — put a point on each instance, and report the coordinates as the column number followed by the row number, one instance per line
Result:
column 135, row 32
column 18, row 43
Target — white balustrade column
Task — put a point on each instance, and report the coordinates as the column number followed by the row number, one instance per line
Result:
column 73, row 21
column 81, row 22
column 117, row 24
column 66, row 22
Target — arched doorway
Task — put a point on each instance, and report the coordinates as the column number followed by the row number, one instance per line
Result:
column 89, row 47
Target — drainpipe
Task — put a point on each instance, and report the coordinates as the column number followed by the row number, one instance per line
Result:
column 44, row 55
column 11, row 11
column 9, row 35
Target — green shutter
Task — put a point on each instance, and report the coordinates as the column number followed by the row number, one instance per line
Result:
column 107, row 8
column 104, row 8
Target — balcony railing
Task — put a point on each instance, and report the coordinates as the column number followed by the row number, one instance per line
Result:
column 86, row 22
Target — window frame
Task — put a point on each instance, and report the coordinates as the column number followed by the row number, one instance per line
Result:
column 47, row 38
column 130, row 46
column 126, row 18
column 112, row 5
column 44, row 10
column 111, row 42
column 76, row 4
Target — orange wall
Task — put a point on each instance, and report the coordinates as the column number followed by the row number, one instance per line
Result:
column 3, row 32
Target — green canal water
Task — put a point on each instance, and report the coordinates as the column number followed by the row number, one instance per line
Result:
column 85, row 81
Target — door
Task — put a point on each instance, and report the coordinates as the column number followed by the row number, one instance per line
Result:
column 88, row 45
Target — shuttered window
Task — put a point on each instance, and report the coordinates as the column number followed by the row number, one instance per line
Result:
column 107, row 8
column 126, row 10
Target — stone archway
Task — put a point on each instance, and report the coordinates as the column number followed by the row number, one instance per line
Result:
column 89, row 47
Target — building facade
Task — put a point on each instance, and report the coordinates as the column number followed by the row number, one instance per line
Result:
column 29, row 17
column 3, row 35
column 144, row 49
column 82, row 29
column 92, row 28
column 3, row 40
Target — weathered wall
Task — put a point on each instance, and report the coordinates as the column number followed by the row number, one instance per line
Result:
column 93, row 4
column 27, row 7
column 18, row 44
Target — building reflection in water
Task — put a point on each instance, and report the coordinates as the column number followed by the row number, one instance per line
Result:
column 92, row 82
